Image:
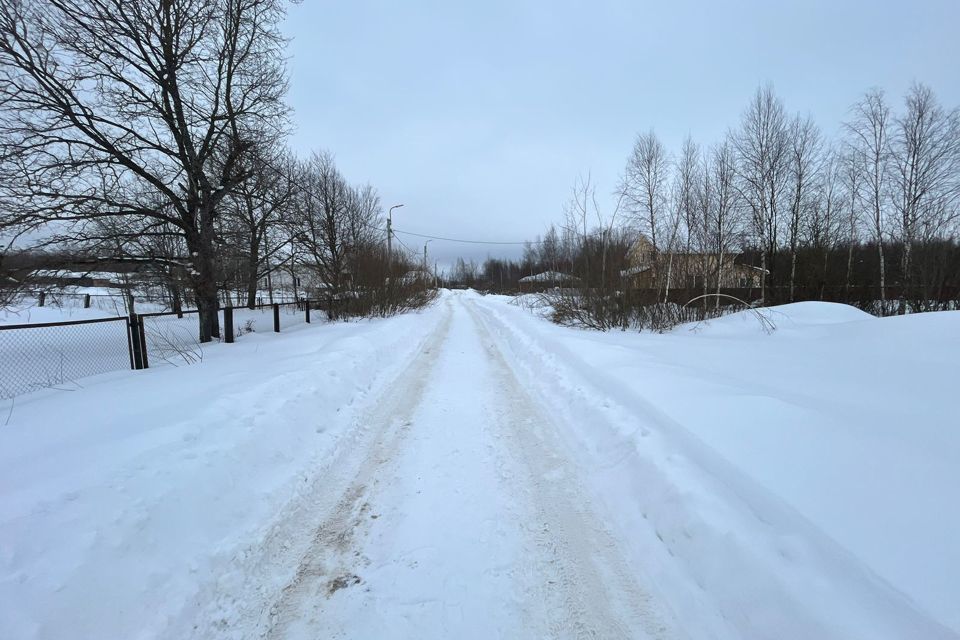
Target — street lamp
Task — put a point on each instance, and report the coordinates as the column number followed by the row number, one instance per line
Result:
column 390, row 233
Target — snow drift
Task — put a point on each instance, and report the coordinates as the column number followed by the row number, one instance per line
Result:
column 800, row 476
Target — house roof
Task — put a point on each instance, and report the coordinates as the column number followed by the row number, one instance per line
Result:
column 64, row 274
column 632, row 271
column 548, row 276
column 642, row 243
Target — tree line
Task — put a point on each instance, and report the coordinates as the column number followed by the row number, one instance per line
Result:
column 868, row 216
column 153, row 132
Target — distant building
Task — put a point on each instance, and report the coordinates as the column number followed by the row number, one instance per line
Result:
column 650, row 269
column 64, row 278
column 547, row 280
column 549, row 277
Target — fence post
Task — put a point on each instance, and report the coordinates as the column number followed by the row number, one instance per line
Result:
column 136, row 343
column 42, row 299
column 133, row 364
column 276, row 317
column 86, row 301
column 143, row 343
column 306, row 309
column 228, row 324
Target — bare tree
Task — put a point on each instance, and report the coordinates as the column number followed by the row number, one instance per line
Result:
column 364, row 221
column 581, row 208
column 253, row 213
column 869, row 134
column 925, row 163
column 12, row 280
column 686, row 210
column 762, row 150
column 140, row 110
column 598, row 250
column 322, row 221
column 365, row 215
column 549, row 251
column 804, row 157
column 645, row 186
column 852, row 178
column 823, row 223
column 723, row 206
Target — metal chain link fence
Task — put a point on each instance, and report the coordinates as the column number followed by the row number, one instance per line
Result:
column 263, row 318
column 38, row 356
column 171, row 338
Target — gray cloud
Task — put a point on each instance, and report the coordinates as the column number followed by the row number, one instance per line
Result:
column 480, row 116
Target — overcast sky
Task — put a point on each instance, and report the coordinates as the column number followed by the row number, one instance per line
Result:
column 479, row 116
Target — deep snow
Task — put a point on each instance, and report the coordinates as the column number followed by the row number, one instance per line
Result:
column 473, row 471
column 839, row 424
column 120, row 500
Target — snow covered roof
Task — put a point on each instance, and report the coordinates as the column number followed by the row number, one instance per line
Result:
column 548, row 276
column 77, row 275
column 632, row 271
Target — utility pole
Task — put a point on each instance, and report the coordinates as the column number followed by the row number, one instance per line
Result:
column 425, row 267
column 390, row 233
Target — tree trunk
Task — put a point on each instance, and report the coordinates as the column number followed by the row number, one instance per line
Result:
column 253, row 261
column 176, row 299
column 128, row 292
column 666, row 290
column 207, row 303
column 719, row 277
column 763, row 278
column 849, row 270
column 205, row 280
column 824, row 279
column 793, row 269
column 905, row 276
column 883, row 280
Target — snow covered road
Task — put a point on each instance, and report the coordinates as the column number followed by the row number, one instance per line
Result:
column 463, row 520
column 474, row 472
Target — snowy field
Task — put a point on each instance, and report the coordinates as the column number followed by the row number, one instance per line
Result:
column 66, row 305
column 42, row 357
column 473, row 471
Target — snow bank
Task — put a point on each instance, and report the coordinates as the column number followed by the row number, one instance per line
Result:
column 797, row 485
column 121, row 501
column 782, row 318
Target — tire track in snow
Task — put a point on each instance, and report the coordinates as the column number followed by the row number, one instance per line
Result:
column 549, row 568
column 331, row 562
column 580, row 565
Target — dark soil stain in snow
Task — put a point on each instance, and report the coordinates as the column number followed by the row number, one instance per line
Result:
column 342, row 582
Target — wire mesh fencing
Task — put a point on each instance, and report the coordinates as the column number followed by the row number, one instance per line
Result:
column 256, row 320
column 172, row 338
column 114, row 301
column 292, row 314
column 38, row 356
column 266, row 318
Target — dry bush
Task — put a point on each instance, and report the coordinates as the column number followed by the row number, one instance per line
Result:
column 381, row 287
column 639, row 309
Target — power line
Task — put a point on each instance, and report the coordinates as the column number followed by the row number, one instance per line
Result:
column 403, row 245
column 296, row 181
column 421, row 235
